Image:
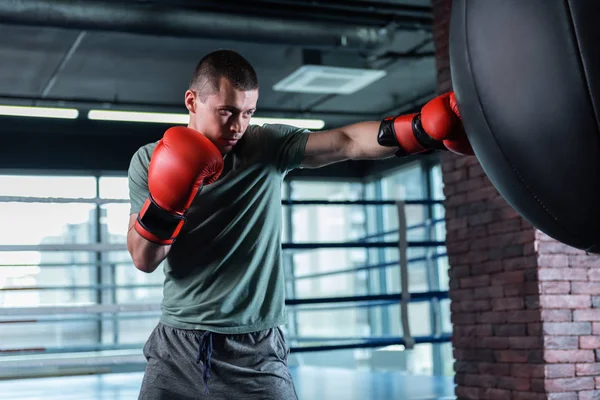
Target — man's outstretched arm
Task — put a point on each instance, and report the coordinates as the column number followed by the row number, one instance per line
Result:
column 437, row 127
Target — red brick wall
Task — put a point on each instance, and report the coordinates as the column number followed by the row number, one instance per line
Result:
column 570, row 298
column 496, row 313
column 525, row 308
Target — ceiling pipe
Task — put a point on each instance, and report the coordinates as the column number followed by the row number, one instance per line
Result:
column 152, row 19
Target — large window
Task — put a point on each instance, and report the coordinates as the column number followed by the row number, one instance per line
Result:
column 63, row 246
column 56, row 252
column 327, row 273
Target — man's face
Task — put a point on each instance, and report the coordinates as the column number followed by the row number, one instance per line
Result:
column 224, row 116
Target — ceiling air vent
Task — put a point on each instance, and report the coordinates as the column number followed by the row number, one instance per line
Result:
column 326, row 79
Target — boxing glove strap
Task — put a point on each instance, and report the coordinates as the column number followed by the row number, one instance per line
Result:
column 387, row 136
column 423, row 138
column 161, row 223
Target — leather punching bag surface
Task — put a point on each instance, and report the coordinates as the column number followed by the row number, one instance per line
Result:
column 526, row 74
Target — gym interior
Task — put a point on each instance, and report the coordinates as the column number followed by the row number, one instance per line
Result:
column 407, row 278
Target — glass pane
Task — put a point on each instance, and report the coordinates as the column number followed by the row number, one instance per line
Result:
column 328, row 223
column 444, row 278
column 421, row 359
column 48, row 186
column 41, row 273
column 337, row 323
column 150, row 290
column 416, row 221
column 48, row 335
column 314, row 190
column 437, row 186
column 445, row 316
column 114, row 187
column 447, row 354
column 405, row 184
column 115, row 222
column 437, row 189
column 416, row 361
column 347, row 284
column 136, row 331
column 419, row 319
column 54, row 223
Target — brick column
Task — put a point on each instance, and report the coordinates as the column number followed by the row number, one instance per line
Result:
column 523, row 305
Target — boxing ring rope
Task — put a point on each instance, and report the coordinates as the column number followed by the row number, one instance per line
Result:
column 126, row 359
column 369, row 267
column 392, row 299
column 106, row 264
column 284, row 202
column 141, row 308
column 118, row 355
column 342, row 343
column 114, row 247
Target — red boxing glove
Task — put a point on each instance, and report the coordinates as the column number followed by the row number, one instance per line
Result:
column 441, row 120
column 183, row 160
column 437, row 127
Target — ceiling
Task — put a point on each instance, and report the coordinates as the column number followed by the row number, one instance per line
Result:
column 139, row 55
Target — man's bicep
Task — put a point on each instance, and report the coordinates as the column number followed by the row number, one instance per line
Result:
column 138, row 183
column 131, row 232
column 325, row 147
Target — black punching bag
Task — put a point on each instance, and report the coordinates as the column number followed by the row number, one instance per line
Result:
column 526, row 74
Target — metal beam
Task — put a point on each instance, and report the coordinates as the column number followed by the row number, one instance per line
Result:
column 63, row 63
column 60, row 200
column 82, row 309
column 152, row 19
column 107, row 358
column 373, row 13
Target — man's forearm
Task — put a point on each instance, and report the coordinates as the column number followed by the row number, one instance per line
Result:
column 362, row 142
column 146, row 256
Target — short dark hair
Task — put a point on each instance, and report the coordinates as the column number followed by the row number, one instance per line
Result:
column 222, row 64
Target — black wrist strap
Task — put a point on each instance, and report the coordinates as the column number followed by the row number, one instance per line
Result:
column 423, row 138
column 387, row 136
column 159, row 222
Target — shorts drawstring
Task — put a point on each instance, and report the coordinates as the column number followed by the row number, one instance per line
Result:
column 205, row 349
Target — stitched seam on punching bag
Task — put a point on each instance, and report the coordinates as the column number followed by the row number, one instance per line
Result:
column 581, row 63
column 537, row 199
column 582, row 68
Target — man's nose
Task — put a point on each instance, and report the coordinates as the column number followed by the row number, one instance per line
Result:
column 236, row 125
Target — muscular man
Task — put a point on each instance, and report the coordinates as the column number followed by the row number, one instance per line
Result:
column 205, row 199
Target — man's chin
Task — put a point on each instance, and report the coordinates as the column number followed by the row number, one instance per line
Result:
column 225, row 149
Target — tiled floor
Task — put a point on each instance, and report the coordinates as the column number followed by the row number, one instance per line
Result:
column 312, row 383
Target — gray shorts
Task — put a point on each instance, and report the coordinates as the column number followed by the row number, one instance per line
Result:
column 189, row 364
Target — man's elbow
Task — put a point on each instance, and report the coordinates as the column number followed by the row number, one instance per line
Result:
column 142, row 264
column 140, row 259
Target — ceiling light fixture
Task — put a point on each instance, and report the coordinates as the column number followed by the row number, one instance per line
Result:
column 172, row 118
column 39, row 112
column 328, row 80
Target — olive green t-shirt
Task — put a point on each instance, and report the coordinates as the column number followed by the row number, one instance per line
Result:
column 224, row 272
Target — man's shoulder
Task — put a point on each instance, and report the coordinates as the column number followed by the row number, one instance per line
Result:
column 145, row 151
column 147, row 148
column 141, row 157
column 263, row 134
column 279, row 129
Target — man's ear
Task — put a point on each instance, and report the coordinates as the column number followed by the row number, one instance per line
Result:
column 190, row 101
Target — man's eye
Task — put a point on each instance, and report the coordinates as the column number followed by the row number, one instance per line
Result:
column 225, row 112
